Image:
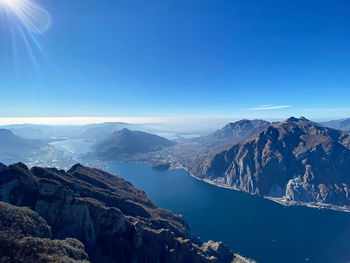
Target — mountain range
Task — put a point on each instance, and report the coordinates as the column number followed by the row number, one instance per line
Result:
column 343, row 124
column 296, row 160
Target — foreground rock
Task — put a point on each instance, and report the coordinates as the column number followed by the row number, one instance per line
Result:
column 26, row 237
column 296, row 160
column 115, row 221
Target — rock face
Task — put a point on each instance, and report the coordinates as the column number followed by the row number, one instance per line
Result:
column 115, row 221
column 26, row 237
column 296, row 159
column 232, row 133
column 127, row 143
column 343, row 124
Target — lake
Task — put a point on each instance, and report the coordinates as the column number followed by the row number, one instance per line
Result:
column 72, row 147
column 250, row 225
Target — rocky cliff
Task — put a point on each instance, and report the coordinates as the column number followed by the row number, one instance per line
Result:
column 26, row 237
column 115, row 221
column 296, row 159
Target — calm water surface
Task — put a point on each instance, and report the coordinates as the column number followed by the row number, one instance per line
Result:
column 72, row 147
column 252, row 226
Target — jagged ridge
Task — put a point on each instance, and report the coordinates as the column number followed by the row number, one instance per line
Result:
column 115, row 221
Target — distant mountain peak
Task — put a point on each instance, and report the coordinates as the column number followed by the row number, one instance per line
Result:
column 231, row 133
column 124, row 131
column 128, row 142
column 300, row 119
column 240, row 127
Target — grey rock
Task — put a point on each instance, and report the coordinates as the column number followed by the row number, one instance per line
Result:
column 115, row 221
column 296, row 158
column 26, row 237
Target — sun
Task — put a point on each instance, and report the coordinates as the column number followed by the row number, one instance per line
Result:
column 32, row 16
column 25, row 21
column 11, row 3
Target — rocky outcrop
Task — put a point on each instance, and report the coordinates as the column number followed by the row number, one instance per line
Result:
column 26, row 237
column 296, row 159
column 115, row 221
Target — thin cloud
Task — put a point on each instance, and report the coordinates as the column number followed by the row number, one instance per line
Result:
column 270, row 107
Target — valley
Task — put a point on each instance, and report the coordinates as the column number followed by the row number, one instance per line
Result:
column 212, row 204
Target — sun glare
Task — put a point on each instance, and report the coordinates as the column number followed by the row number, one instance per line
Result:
column 25, row 21
column 35, row 18
column 12, row 2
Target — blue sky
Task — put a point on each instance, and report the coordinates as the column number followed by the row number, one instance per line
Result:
column 195, row 58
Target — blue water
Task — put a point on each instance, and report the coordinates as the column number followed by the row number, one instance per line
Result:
column 252, row 226
column 72, row 147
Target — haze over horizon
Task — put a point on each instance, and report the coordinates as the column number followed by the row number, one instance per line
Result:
column 197, row 59
column 76, row 121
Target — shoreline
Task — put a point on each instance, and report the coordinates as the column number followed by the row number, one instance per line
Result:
column 279, row 200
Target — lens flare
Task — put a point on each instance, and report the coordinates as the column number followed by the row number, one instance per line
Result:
column 10, row 3
column 23, row 24
column 35, row 18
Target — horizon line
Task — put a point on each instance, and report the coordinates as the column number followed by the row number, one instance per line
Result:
column 76, row 121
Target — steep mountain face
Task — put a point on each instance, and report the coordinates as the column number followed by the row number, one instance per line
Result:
column 26, row 237
column 115, row 221
column 127, row 142
column 232, row 133
column 296, row 159
column 343, row 124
